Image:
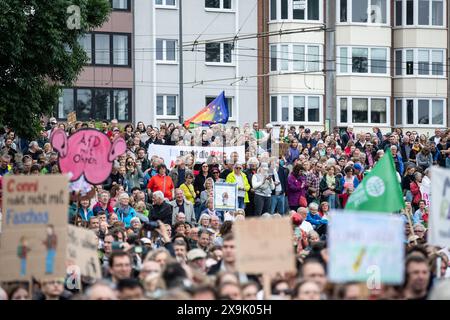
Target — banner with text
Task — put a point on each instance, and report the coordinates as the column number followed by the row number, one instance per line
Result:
column 34, row 237
column 201, row 154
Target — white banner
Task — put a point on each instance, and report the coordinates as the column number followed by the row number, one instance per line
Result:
column 439, row 220
column 201, row 154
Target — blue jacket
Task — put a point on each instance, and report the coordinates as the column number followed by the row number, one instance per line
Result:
column 89, row 214
column 315, row 219
column 125, row 217
column 355, row 182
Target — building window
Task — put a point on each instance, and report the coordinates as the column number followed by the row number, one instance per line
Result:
column 295, row 57
column 166, row 50
column 86, row 43
column 420, row 112
column 95, row 104
column 218, row 4
column 305, row 10
column 219, row 52
column 165, row 3
column 121, row 5
column 419, row 12
column 274, row 109
column 102, row 49
column 363, row 60
column 420, row 62
column 363, row 110
column 363, row 11
column 229, row 100
column 107, row 49
column 166, row 105
column 296, row 108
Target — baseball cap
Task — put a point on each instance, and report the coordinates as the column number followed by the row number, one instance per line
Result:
column 195, row 254
column 357, row 166
column 146, row 241
column 307, row 130
column 296, row 219
column 269, row 126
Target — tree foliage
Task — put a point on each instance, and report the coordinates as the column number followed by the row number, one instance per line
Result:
column 39, row 52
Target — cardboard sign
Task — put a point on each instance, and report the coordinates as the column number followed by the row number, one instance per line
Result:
column 439, row 219
column 72, row 117
column 225, row 196
column 264, row 245
column 366, row 247
column 87, row 152
column 33, row 241
column 201, row 154
column 82, row 251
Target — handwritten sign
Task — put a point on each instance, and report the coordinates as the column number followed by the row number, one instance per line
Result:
column 439, row 220
column 82, row 251
column 201, row 154
column 33, row 241
column 72, row 117
column 87, row 152
column 365, row 247
column 264, row 245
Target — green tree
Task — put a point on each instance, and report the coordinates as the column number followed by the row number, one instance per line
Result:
column 39, row 52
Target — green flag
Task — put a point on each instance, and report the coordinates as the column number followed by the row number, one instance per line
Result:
column 379, row 190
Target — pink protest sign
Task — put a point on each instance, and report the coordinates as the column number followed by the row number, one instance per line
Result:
column 87, row 152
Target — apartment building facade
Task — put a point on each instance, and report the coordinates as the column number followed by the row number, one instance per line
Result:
column 105, row 87
column 381, row 63
column 208, row 68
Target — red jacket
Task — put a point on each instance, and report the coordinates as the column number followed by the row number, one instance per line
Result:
column 415, row 190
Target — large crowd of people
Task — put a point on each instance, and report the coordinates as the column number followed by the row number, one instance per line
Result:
column 160, row 236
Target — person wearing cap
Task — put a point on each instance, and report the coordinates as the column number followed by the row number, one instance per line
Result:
column 239, row 177
column 307, row 141
column 34, row 151
column 197, row 260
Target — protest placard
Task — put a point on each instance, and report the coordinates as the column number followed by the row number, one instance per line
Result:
column 33, row 241
column 225, row 196
column 439, row 219
column 82, row 251
column 201, row 154
column 72, row 117
column 264, row 245
column 366, row 246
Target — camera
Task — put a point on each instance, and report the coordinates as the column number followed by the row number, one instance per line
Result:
column 150, row 226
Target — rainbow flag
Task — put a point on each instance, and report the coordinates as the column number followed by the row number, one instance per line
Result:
column 215, row 112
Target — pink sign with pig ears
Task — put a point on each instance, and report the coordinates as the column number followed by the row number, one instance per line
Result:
column 87, row 152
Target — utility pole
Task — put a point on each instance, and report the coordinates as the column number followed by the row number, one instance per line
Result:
column 330, row 66
column 180, row 53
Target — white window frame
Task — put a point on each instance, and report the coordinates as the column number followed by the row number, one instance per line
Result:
column 291, row 57
column 233, row 118
column 164, row 52
column 350, row 13
column 291, row 108
column 290, row 14
column 349, row 62
column 416, row 112
column 165, row 115
column 416, row 63
column 221, row 9
column 222, row 63
column 165, row 5
column 416, row 17
column 369, row 109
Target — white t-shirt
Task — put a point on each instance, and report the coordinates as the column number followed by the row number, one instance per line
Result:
column 306, row 226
